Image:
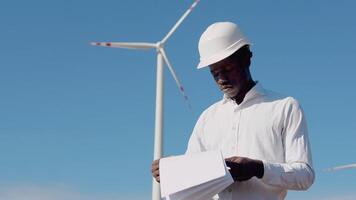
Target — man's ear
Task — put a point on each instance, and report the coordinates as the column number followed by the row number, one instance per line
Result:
column 247, row 59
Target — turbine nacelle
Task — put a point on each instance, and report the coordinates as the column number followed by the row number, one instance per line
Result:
column 159, row 45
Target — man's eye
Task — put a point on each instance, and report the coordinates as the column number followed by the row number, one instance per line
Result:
column 228, row 69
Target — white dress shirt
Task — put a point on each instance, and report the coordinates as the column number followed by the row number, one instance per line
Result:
column 265, row 126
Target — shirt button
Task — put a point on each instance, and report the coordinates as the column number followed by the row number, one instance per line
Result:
column 230, row 190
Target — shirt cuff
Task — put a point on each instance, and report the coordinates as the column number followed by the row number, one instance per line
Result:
column 272, row 173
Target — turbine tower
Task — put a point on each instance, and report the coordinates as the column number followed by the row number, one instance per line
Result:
column 161, row 59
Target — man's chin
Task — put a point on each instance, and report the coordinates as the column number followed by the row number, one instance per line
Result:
column 230, row 93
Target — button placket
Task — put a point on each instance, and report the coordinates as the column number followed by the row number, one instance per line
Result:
column 237, row 128
column 233, row 134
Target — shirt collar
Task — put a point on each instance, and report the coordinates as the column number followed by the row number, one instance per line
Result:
column 255, row 91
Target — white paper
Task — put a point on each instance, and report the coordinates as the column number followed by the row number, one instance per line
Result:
column 195, row 176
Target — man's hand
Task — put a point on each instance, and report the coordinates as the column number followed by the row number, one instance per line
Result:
column 242, row 168
column 155, row 170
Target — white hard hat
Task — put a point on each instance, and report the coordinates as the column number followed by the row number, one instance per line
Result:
column 219, row 41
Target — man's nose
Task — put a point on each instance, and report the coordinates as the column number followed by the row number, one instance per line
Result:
column 222, row 77
column 222, row 80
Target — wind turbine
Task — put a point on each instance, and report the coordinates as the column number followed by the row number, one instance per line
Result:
column 161, row 57
column 342, row 167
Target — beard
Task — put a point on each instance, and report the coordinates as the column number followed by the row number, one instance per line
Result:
column 231, row 92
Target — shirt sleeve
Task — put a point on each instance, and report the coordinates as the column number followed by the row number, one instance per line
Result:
column 297, row 172
column 195, row 143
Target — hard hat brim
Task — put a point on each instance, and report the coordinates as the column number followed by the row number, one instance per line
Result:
column 204, row 62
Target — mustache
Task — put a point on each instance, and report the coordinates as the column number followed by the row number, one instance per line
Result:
column 223, row 82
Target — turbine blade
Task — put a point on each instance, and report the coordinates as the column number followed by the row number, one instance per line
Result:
column 342, row 167
column 180, row 86
column 126, row 45
column 174, row 28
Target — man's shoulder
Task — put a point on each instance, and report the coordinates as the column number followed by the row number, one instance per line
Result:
column 282, row 99
column 214, row 106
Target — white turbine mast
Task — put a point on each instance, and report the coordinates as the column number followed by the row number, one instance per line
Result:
column 161, row 59
column 342, row 167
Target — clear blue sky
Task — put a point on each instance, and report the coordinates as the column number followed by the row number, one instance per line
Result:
column 77, row 121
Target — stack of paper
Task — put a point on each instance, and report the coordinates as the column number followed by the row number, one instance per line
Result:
column 193, row 177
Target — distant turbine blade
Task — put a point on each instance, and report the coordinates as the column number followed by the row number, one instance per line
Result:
column 342, row 167
column 180, row 21
column 126, row 45
column 180, row 86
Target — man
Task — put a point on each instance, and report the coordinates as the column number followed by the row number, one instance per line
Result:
column 262, row 135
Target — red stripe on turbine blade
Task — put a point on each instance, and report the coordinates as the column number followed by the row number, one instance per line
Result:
column 194, row 4
column 181, row 88
column 98, row 43
column 108, row 44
